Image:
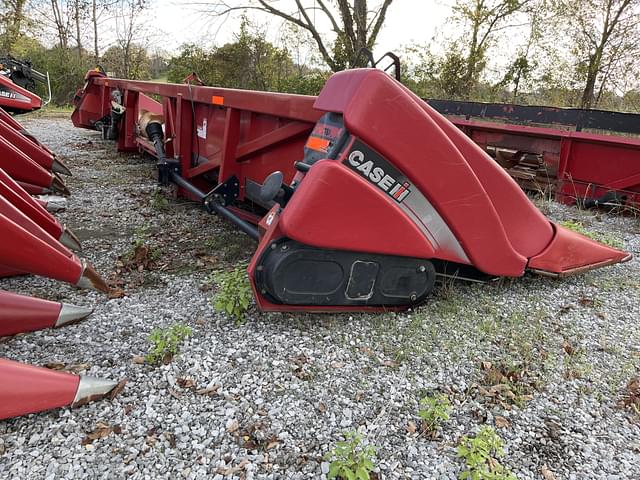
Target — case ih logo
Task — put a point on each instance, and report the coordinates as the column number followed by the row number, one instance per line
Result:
column 7, row 94
column 379, row 173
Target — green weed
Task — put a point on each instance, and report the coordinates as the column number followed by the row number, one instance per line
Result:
column 433, row 412
column 234, row 293
column 480, row 454
column 350, row 460
column 165, row 343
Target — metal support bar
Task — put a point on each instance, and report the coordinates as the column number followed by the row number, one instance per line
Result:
column 216, row 207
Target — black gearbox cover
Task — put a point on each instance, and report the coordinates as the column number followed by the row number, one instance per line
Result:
column 295, row 274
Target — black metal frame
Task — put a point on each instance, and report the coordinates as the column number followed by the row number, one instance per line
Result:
column 531, row 114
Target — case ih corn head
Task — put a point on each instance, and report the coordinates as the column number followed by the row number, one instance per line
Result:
column 17, row 84
column 358, row 198
column 34, row 242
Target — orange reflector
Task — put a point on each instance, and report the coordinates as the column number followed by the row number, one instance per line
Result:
column 216, row 100
column 319, row 144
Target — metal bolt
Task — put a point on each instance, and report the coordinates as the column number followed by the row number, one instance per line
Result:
column 422, row 269
column 284, row 248
column 263, row 291
column 413, row 297
column 259, row 268
column 273, row 246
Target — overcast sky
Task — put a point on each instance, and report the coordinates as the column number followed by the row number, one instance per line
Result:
column 408, row 22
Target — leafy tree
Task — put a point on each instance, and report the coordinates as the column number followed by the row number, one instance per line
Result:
column 355, row 25
column 249, row 62
column 133, row 64
column 604, row 41
column 12, row 18
column 481, row 20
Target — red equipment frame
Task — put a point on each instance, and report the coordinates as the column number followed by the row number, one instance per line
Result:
column 14, row 98
column 463, row 207
column 579, row 165
column 239, row 131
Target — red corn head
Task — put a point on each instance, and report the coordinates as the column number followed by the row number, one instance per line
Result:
column 17, row 126
column 23, row 169
column 21, row 250
column 12, row 213
column 32, row 189
column 36, row 153
column 27, row 389
column 19, row 313
column 29, row 206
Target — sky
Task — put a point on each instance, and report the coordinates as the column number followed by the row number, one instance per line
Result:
column 408, row 22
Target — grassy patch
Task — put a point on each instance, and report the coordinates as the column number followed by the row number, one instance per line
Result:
column 606, row 238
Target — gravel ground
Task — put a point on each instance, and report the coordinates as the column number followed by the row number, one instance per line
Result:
column 269, row 398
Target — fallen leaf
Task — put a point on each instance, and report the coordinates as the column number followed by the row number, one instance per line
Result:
column 565, row 309
column 171, row 438
column 54, row 365
column 271, row 444
column 300, row 359
column 138, row 359
column 547, row 474
column 486, row 365
column 102, row 430
column 412, row 427
column 77, row 368
column 117, row 389
column 185, row 382
column 233, row 426
column 116, row 293
column 388, row 363
column 568, row 348
column 322, row 407
column 209, row 390
column 502, row 422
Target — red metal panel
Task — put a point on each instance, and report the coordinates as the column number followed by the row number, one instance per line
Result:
column 30, row 207
column 19, row 313
column 16, row 98
column 527, row 228
column 395, row 124
column 334, row 208
column 9, row 211
column 21, row 167
column 31, row 150
column 586, row 164
column 570, row 252
column 20, row 250
column 27, row 389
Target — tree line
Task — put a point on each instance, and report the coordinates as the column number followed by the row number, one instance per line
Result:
column 553, row 52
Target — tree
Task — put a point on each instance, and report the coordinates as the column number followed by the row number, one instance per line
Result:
column 354, row 24
column 134, row 64
column 249, row 62
column 12, row 17
column 130, row 29
column 482, row 20
column 61, row 22
column 604, row 35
